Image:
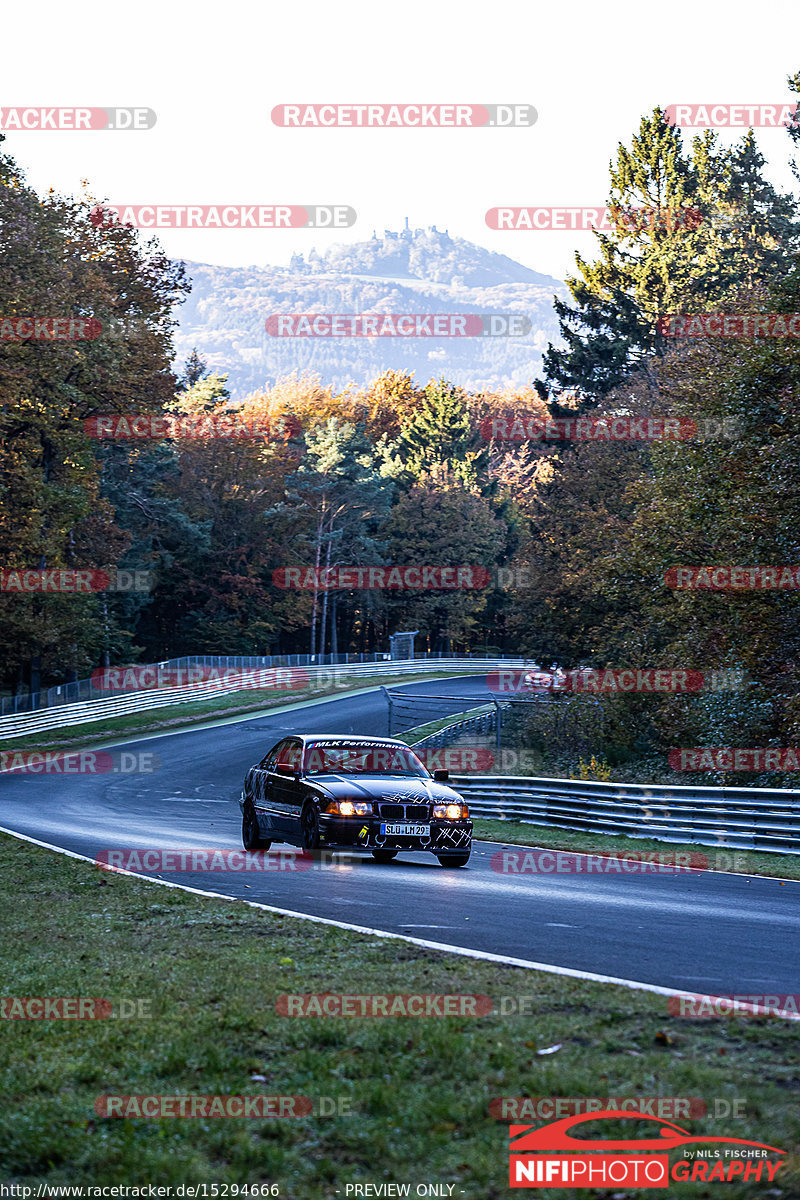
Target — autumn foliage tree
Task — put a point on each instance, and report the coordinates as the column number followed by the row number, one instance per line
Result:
column 56, row 262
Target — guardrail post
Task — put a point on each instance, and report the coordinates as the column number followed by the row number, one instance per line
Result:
column 389, row 716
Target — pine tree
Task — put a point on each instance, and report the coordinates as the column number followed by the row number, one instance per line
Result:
column 441, row 435
column 196, row 369
column 722, row 227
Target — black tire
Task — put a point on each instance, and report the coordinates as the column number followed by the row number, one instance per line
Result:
column 309, row 827
column 384, row 856
column 454, row 860
column 251, row 837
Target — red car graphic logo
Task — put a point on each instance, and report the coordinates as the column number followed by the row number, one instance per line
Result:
column 557, row 1136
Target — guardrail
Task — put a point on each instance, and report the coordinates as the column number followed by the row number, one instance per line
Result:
column 741, row 818
column 22, row 724
column 78, row 690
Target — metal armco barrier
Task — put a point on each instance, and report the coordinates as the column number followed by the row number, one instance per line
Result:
column 741, row 818
column 78, row 690
column 20, row 724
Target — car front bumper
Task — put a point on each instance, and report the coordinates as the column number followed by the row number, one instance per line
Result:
column 365, row 833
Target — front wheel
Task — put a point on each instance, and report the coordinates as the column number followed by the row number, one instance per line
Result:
column 251, row 835
column 309, row 826
column 384, row 856
column 454, row 860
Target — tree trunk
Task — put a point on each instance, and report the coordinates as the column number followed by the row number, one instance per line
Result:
column 334, row 633
column 35, row 673
column 316, row 589
column 324, row 621
column 348, row 624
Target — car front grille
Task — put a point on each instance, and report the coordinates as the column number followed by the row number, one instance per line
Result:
column 417, row 812
column 405, row 812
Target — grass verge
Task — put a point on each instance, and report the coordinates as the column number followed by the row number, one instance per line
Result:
column 412, row 736
column 418, row 1090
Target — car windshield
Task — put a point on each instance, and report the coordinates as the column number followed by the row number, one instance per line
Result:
column 353, row 758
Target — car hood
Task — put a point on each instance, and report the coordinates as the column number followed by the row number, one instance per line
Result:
column 385, row 787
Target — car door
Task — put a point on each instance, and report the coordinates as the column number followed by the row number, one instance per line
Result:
column 260, row 792
column 283, row 791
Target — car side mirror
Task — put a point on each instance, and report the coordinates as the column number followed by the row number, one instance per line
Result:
column 441, row 775
column 287, row 769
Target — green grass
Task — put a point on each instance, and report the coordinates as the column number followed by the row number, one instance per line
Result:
column 419, row 1089
column 720, row 858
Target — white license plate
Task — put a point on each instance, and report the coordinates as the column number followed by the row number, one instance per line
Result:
column 406, row 830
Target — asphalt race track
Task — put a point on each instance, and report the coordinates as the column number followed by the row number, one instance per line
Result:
column 701, row 932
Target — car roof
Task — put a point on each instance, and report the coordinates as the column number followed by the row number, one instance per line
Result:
column 350, row 738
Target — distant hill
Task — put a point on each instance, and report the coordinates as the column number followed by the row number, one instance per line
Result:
column 414, row 271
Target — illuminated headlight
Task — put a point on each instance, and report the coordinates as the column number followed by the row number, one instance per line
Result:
column 349, row 808
column 452, row 812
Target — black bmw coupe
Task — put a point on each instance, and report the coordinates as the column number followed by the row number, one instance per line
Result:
column 344, row 792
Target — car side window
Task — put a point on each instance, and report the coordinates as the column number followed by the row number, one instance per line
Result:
column 289, row 753
column 268, row 763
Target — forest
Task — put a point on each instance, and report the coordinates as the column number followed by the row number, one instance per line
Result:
column 574, row 534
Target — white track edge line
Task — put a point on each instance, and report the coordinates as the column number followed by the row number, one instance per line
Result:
column 465, row 952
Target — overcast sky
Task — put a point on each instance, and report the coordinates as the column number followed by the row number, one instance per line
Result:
column 213, row 74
